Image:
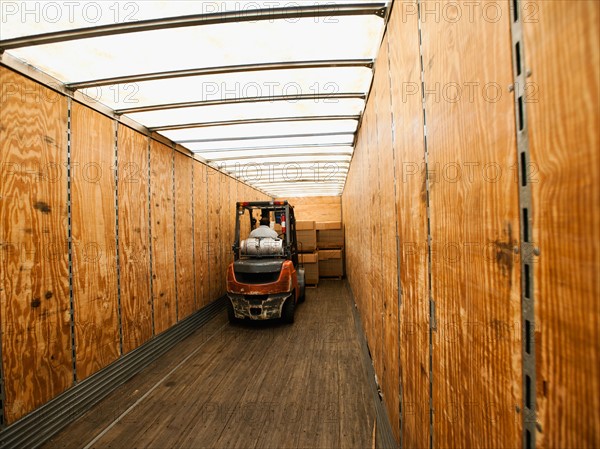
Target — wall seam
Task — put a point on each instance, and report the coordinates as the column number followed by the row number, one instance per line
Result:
column 173, row 189
column 528, row 249
column 70, row 244
column 194, row 242
column 432, row 321
column 150, row 235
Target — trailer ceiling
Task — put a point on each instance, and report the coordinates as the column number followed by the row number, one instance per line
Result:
column 270, row 92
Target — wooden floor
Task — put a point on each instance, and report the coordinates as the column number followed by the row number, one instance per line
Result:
column 249, row 386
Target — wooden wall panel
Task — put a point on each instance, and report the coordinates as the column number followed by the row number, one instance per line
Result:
column 474, row 228
column 34, row 277
column 134, row 238
column 562, row 51
column 214, row 256
column 390, row 347
column 184, row 235
column 163, row 236
column 224, row 238
column 93, row 223
column 317, row 208
column 374, row 225
column 409, row 158
column 200, row 235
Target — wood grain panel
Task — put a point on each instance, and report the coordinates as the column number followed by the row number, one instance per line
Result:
column 374, row 225
column 184, row 235
column 409, row 158
column 34, row 279
column 200, row 234
column 317, row 208
column 561, row 49
column 214, row 209
column 93, row 223
column 163, row 236
column 390, row 377
column 474, row 228
column 134, row 238
column 223, row 240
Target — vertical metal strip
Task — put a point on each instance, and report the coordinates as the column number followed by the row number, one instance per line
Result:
column 398, row 258
column 70, row 242
column 194, row 240
column 432, row 320
column 528, row 251
column 119, row 310
column 150, row 234
column 205, row 245
column 174, row 232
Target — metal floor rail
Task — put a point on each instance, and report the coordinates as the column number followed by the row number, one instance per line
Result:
column 37, row 427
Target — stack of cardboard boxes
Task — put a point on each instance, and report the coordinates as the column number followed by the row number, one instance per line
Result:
column 330, row 245
column 306, row 233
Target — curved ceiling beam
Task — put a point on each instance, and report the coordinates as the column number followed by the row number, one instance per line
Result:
column 341, row 63
column 225, row 139
column 235, row 100
column 253, row 121
column 296, row 12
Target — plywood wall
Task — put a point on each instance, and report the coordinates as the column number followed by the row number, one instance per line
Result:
column 163, row 236
column 317, row 208
column 475, row 273
column 93, row 224
column 134, row 238
column 561, row 50
column 163, row 202
column 184, row 235
column 201, row 236
column 34, row 264
column 454, row 223
column 411, row 228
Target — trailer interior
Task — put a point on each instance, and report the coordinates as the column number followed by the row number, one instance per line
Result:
column 431, row 169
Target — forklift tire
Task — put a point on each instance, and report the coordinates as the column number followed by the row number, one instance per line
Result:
column 231, row 314
column 301, row 286
column 287, row 312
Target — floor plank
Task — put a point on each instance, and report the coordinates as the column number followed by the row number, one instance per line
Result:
column 255, row 385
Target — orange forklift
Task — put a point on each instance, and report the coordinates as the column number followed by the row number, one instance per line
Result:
column 265, row 280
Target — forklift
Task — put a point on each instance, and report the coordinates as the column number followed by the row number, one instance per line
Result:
column 265, row 280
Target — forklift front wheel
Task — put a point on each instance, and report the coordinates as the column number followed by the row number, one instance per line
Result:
column 289, row 307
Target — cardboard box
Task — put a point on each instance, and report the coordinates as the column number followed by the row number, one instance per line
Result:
column 331, row 263
column 311, row 267
column 330, row 238
column 307, row 240
column 328, row 225
column 309, row 257
column 305, row 225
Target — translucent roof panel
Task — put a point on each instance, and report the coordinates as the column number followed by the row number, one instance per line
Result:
column 52, row 16
column 272, row 97
column 250, row 131
column 268, row 83
column 345, row 37
column 267, row 109
column 267, row 144
column 236, row 154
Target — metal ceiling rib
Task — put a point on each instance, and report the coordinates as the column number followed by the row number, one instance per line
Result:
column 245, row 159
column 255, row 121
column 237, row 100
column 288, row 13
column 259, row 137
column 222, row 70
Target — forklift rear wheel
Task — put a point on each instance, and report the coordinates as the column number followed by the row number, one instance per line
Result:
column 289, row 307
